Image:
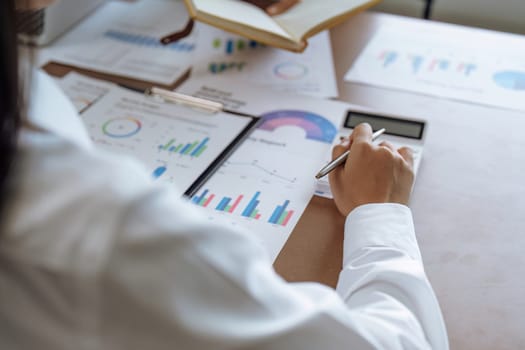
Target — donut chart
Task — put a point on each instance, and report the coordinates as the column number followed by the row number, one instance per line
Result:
column 121, row 127
column 290, row 70
column 317, row 127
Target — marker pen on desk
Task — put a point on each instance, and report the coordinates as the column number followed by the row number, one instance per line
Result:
column 342, row 158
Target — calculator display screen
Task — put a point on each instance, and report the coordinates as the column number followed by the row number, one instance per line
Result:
column 394, row 126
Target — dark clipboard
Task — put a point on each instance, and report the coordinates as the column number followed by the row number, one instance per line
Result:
column 216, row 164
column 230, row 148
column 208, row 106
column 199, row 105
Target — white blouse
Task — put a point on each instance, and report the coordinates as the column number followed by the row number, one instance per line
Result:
column 94, row 255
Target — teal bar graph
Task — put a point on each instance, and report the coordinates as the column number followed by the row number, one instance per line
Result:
column 192, row 149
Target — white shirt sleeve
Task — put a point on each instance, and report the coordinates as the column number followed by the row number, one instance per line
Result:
column 383, row 279
column 173, row 279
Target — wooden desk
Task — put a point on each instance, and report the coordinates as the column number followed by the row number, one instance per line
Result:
column 469, row 211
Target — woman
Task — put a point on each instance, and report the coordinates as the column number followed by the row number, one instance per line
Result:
column 95, row 256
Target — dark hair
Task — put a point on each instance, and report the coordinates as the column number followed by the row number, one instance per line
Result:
column 10, row 94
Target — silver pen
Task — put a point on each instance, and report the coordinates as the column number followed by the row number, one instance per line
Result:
column 342, row 158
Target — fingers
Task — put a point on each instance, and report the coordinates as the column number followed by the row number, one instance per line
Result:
column 405, row 152
column 342, row 147
column 280, row 7
column 408, row 155
column 388, row 145
column 362, row 133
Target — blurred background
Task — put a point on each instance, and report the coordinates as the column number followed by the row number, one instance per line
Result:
column 503, row 15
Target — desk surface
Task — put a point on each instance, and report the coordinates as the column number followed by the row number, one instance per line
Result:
column 468, row 210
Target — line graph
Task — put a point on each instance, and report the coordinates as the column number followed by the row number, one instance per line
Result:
column 255, row 165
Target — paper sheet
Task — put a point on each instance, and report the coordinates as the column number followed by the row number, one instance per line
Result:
column 123, row 39
column 242, row 60
column 83, row 91
column 457, row 63
column 267, row 183
column 176, row 143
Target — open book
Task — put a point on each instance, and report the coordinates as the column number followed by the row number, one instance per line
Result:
column 288, row 30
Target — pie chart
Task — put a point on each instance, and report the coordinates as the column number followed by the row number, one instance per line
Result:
column 511, row 80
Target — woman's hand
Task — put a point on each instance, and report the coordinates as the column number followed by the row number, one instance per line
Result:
column 273, row 7
column 372, row 173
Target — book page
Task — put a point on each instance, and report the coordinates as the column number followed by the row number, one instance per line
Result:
column 308, row 14
column 242, row 13
column 83, row 91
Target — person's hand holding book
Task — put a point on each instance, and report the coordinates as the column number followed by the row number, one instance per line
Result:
column 273, row 7
column 285, row 24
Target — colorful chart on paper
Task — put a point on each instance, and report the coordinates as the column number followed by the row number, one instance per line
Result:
column 445, row 66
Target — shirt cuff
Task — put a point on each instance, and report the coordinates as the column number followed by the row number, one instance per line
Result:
column 388, row 225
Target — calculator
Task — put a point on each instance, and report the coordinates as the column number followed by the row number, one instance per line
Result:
column 400, row 131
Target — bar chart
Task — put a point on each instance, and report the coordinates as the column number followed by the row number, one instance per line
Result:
column 224, row 204
column 251, row 209
column 192, row 149
column 231, row 45
column 244, row 206
column 148, row 41
column 487, row 70
column 280, row 215
column 203, row 199
column 219, row 67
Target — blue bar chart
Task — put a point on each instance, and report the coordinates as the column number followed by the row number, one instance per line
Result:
column 149, row 41
column 234, row 45
column 251, row 209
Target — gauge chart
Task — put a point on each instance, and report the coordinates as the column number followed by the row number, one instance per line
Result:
column 316, row 127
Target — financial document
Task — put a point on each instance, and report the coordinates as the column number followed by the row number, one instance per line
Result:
column 175, row 143
column 243, row 60
column 123, row 39
column 456, row 63
column 264, row 186
column 267, row 183
column 83, row 91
